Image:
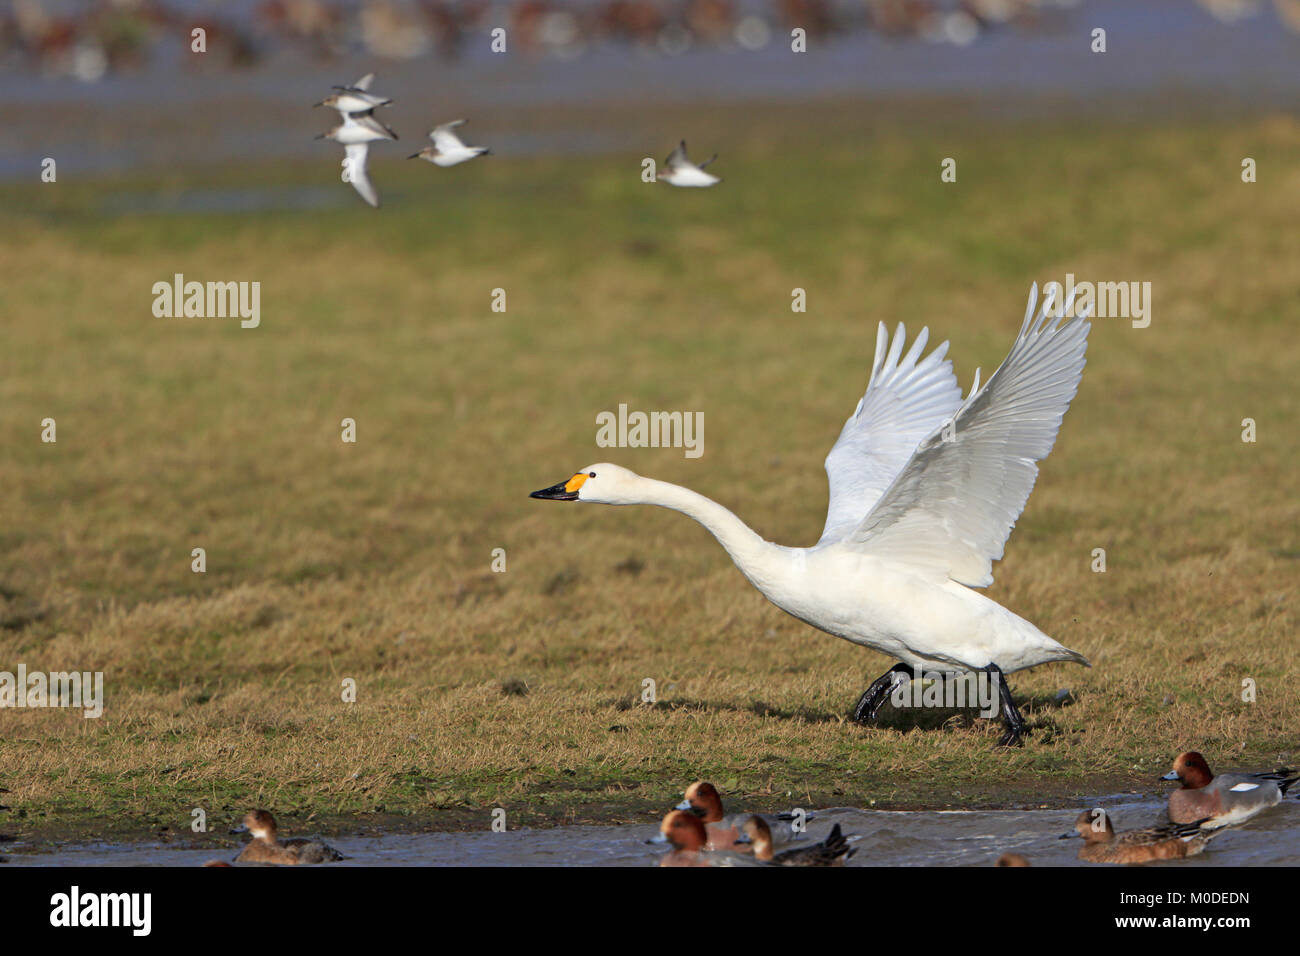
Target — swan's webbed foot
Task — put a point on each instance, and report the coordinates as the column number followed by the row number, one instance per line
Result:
column 1016, row 727
column 868, row 705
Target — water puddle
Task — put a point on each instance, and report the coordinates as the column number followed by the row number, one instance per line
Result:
column 884, row 838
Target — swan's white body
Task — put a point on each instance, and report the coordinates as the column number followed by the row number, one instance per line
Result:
column 925, row 488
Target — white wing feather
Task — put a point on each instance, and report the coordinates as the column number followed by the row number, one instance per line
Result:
column 357, row 174
column 445, row 139
column 950, row 511
column 904, row 403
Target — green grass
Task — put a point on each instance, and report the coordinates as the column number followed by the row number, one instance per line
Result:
column 328, row 561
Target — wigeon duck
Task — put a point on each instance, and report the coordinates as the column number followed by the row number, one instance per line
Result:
column 704, row 800
column 266, row 849
column 832, row 851
column 686, row 834
column 1169, row 841
column 1225, row 799
column 1011, row 859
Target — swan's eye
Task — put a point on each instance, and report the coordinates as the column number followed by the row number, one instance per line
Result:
column 591, row 474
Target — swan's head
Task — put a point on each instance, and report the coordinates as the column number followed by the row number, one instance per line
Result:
column 602, row 483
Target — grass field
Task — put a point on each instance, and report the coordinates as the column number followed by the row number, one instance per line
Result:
column 476, row 689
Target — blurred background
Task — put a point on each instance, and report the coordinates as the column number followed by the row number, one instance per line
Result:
column 115, row 81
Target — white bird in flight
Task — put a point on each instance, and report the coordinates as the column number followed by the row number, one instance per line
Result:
column 448, row 148
column 355, row 134
column 925, row 488
column 358, row 129
column 680, row 171
column 356, row 98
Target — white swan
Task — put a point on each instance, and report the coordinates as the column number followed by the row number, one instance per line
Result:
column 924, row 491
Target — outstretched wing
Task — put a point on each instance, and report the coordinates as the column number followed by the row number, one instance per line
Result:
column 368, row 121
column 951, row 509
column 360, row 86
column 361, row 90
column 905, row 402
column 358, row 175
column 445, row 139
column 677, row 157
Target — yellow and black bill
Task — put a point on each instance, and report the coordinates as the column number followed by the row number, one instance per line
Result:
column 566, row 490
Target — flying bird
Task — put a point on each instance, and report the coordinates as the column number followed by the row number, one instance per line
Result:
column 680, row 171
column 448, row 149
column 357, row 130
column 356, row 98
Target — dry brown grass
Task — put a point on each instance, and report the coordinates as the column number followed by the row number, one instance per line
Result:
column 477, row 689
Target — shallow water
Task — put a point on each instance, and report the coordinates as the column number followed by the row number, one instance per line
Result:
column 883, row 838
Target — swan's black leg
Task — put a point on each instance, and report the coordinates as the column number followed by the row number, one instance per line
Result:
column 868, row 705
column 1016, row 726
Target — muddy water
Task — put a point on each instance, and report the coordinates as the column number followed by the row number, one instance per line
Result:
column 883, row 838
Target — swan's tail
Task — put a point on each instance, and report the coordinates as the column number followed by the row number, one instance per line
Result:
column 1075, row 656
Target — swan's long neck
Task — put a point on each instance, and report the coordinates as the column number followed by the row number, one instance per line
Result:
column 753, row 555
